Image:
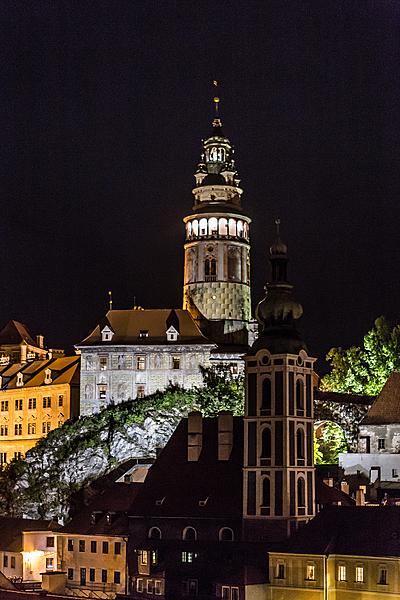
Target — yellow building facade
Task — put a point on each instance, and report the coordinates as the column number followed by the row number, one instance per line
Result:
column 35, row 398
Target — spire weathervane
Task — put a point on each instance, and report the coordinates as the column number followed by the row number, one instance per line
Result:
column 217, row 121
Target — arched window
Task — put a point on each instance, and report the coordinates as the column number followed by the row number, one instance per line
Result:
column 232, row 227
column 195, row 226
column 301, row 492
column 300, row 444
column 155, row 533
column 233, row 264
column 266, row 397
column 223, row 226
column 210, row 269
column 189, row 229
column 266, row 492
column 240, row 228
column 299, row 397
column 266, row 443
column 246, row 230
column 226, row 534
column 189, row 534
column 203, row 226
column 213, row 226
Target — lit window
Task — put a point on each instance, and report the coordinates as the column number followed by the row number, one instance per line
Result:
column 60, row 400
column 383, row 576
column 176, row 362
column 106, row 334
column 381, row 444
column 310, row 573
column 49, row 564
column 143, row 557
column 103, row 360
column 144, row 333
column 189, row 557
column 342, row 575
column 360, row 574
column 140, row 391
column 280, row 571
column 172, row 334
column 102, row 391
column 140, row 362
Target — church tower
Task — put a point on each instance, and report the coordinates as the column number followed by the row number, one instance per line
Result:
column 217, row 247
column 278, row 476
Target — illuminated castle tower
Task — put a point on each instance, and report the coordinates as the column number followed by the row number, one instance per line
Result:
column 217, row 249
column 278, row 485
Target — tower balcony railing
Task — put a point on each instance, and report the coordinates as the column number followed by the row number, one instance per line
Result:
column 210, row 278
column 216, row 236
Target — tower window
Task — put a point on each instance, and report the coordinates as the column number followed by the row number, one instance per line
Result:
column 210, row 269
column 266, row 492
column 266, row 397
column 301, row 495
column 299, row 398
column 266, row 443
column 300, row 446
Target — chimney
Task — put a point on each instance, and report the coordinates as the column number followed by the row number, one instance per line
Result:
column 195, row 436
column 344, row 486
column 360, row 497
column 328, row 481
column 225, row 435
column 40, row 341
column 24, row 351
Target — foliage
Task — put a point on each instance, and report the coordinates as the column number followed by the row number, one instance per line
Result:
column 365, row 370
column 329, row 444
column 317, row 452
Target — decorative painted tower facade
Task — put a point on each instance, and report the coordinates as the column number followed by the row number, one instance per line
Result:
column 217, row 247
column 278, row 477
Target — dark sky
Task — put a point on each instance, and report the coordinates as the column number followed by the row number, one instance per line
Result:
column 103, row 106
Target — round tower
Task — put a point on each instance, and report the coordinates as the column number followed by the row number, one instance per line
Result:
column 217, row 246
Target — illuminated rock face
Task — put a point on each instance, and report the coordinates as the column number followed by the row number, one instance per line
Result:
column 217, row 246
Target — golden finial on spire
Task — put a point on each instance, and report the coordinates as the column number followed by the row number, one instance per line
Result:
column 277, row 223
column 110, row 299
column 216, row 99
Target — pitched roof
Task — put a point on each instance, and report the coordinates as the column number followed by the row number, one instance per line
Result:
column 15, row 332
column 386, row 407
column 127, row 325
column 327, row 494
column 343, row 398
column 350, row 530
column 63, row 370
column 175, row 487
column 11, row 531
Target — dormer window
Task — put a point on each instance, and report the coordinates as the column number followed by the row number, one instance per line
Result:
column 144, row 333
column 47, row 376
column 20, row 380
column 106, row 334
column 172, row 334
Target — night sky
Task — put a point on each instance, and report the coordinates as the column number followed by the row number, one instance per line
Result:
column 103, row 106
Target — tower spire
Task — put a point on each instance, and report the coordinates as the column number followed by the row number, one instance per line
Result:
column 216, row 121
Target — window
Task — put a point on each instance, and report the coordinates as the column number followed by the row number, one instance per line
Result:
column 383, row 576
column 189, row 533
column 172, row 334
column 395, row 473
column 13, row 562
column 105, row 547
column 82, row 545
column 4, row 406
column 300, row 446
column 47, row 376
column 143, row 557
column 140, row 362
column 18, row 404
column 189, row 557
column 50, row 542
column 154, row 533
column 280, row 571
column 360, row 574
column 46, row 426
column 92, row 574
column 234, row 593
column 32, row 403
column 381, row 443
column 154, row 559
column 117, row 548
column 144, row 333
column 140, row 391
column 3, row 458
column 102, row 391
column 106, row 334
column 139, row 585
column 150, row 586
column 20, row 380
column 176, row 362
column 266, row 443
column 210, row 269
column 70, row 545
column 104, row 575
column 342, row 575
column 299, row 397
column 266, row 397
column 266, row 492
column 46, row 401
column 158, row 587
column 5, row 561
column 310, row 572
column 301, row 493
column 60, row 400
column 31, row 428
column 3, row 429
column 226, row 534
column 103, row 359
column 225, row 592
column 49, row 564
column 93, row 546
column 18, row 429
column 70, row 574
column 18, row 455
column 117, row 577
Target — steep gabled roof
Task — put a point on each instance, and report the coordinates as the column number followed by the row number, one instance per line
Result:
column 127, row 326
column 63, row 370
column 386, row 408
column 350, row 530
column 11, row 531
column 15, row 332
column 175, row 487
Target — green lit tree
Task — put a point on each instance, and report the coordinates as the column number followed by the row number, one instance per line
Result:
column 365, row 370
column 329, row 444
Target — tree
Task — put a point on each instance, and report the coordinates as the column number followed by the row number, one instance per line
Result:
column 329, row 444
column 365, row 370
column 221, row 391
